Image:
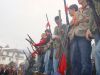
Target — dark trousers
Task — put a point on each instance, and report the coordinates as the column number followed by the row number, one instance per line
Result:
column 97, row 52
column 80, row 56
column 41, row 60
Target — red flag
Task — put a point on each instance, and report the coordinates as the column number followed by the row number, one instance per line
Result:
column 62, row 65
column 66, row 8
column 66, row 12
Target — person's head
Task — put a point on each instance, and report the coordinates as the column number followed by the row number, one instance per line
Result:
column 58, row 20
column 6, row 66
column 82, row 2
column 48, row 31
column 72, row 9
column 43, row 35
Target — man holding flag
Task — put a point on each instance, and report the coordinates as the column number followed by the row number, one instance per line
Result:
column 58, row 37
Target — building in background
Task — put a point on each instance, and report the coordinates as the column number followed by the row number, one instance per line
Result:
column 8, row 55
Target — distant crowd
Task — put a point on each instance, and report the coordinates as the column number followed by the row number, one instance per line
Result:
column 10, row 70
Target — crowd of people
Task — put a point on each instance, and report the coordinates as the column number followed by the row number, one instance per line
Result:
column 11, row 70
column 74, row 58
column 61, row 54
column 7, row 70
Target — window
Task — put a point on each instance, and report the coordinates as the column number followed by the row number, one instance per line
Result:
column 3, row 58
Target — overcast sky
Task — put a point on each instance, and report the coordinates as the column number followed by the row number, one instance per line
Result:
column 21, row 17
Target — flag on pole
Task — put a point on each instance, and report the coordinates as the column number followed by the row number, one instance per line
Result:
column 66, row 8
column 66, row 12
column 62, row 65
column 48, row 23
